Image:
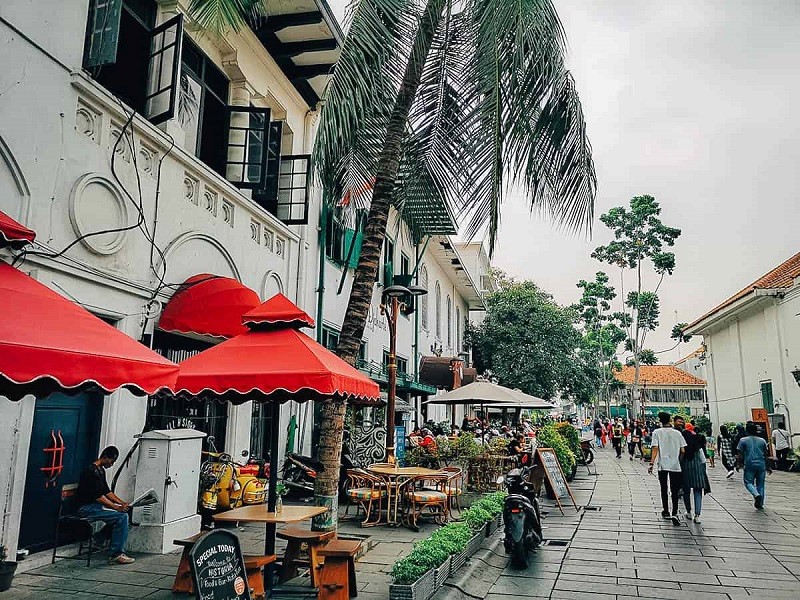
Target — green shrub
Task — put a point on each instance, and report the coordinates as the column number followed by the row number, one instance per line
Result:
column 453, row 537
column 570, row 435
column 731, row 426
column 476, row 517
column 405, row 572
column 548, row 437
column 431, row 552
column 703, row 424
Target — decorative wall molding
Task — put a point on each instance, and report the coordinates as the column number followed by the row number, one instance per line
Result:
column 85, row 200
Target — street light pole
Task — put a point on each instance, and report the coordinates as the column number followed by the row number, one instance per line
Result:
column 391, row 306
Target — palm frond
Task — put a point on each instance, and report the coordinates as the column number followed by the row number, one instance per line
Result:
column 219, row 16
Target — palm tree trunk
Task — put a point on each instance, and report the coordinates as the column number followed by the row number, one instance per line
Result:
column 331, row 428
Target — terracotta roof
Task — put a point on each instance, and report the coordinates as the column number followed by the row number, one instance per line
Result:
column 655, row 375
column 782, row 276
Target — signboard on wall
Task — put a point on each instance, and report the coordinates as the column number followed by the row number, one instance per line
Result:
column 400, row 442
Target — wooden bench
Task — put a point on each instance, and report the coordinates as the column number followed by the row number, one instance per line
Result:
column 292, row 559
column 252, row 564
column 338, row 578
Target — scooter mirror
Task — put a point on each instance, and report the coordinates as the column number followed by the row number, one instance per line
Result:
column 245, row 453
column 501, row 479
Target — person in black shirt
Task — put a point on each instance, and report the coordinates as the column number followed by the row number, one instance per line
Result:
column 97, row 502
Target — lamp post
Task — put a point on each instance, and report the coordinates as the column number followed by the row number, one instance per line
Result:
column 391, row 307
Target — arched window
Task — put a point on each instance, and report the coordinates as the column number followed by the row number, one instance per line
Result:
column 449, row 322
column 458, row 329
column 438, row 308
column 423, row 300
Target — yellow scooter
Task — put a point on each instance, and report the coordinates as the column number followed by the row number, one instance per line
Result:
column 225, row 484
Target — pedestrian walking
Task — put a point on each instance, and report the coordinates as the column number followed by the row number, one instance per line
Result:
column 695, row 479
column 753, row 454
column 668, row 446
column 711, row 448
column 598, row 433
column 726, row 450
column 690, row 438
column 635, row 435
column 616, row 437
column 781, row 437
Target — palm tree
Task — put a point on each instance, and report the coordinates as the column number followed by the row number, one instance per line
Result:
column 459, row 100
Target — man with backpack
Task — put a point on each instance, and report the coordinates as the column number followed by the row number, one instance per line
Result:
column 616, row 437
column 781, row 437
column 668, row 447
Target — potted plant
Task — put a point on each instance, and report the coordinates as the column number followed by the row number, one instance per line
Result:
column 280, row 491
column 418, row 575
column 454, row 537
column 7, row 569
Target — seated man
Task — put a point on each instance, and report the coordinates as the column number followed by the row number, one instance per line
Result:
column 98, row 503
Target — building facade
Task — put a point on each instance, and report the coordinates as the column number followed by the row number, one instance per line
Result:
column 663, row 388
column 752, row 342
column 146, row 152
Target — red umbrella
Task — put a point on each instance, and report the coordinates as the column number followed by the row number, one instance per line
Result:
column 208, row 305
column 14, row 234
column 273, row 362
column 48, row 343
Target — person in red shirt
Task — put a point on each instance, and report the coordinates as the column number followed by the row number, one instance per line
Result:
column 428, row 441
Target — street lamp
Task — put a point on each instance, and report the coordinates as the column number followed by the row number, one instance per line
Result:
column 391, row 307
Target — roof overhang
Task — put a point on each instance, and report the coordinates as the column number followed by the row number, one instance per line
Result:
column 713, row 320
column 449, row 259
column 304, row 39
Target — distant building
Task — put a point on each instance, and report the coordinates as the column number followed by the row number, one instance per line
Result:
column 694, row 363
column 663, row 388
column 752, row 342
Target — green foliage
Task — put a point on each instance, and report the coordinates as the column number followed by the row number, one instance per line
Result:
column 527, row 340
column 646, row 357
column 431, row 552
column 677, row 333
column 570, row 435
column 703, row 423
column 548, row 437
column 218, row 16
column 731, row 426
column 645, row 306
column 483, row 510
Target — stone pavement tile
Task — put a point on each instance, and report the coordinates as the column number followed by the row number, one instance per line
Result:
column 720, row 589
column 120, row 589
column 652, row 582
column 535, row 569
column 760, row 593
column 765, row 567
column 161, row 595
column 494, row 596
column 572, row 595
column 785, row 575
column 521, row 586
column 591, row 587
column 611, row 571
column 708, row 594
column 766, row 584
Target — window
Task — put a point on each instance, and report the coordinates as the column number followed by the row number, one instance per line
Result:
column 388, row 262
column 458, row 330
column 449, row 322
column 402, row 363
column 405, row 265
column 438, row 308
column 423, row 300
column 766, row 396
column 342, row 243
column 330, row 339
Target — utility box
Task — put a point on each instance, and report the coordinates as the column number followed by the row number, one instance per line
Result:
column 169, row 462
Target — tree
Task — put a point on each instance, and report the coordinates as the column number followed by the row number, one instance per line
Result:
column 530, row 342
column 639, row 237
column 602, row 328
column 455, row 102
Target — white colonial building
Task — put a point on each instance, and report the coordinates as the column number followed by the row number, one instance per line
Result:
column 145, row 152
column 752, row 349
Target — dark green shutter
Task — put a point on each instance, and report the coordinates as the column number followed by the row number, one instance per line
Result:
column 355, row 238
column 766, row 397
column 102, row 33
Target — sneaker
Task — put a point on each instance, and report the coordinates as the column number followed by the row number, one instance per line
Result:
column 696, row 518
column 665, row 514
column 688, row 515
column 676, row 520
column 631, row 458
column 730, row 474
column 121, row 559
column 759, row 502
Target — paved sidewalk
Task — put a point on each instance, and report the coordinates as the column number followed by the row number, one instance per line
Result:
column 625, row 550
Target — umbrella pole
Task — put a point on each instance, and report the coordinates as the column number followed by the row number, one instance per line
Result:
column 272, row 493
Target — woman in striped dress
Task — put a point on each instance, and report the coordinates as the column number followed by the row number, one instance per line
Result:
column 726, row 452
column 694, row 474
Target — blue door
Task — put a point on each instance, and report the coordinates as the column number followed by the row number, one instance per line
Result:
column 71, row 423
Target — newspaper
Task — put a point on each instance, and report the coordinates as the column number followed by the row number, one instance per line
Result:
column 146, row 499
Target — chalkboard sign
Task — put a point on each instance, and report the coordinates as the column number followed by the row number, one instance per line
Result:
column 555, row 476
column 218, row 567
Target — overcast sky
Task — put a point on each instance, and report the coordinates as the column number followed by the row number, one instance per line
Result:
column 694, row 102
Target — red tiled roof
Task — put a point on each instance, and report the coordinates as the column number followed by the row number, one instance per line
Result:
column 782, row 276
column 655, row 375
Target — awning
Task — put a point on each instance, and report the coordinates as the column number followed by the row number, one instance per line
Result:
column 48, row 343
column 208, row 305
column 14, row 234
column 273, row 361
column 490, row 394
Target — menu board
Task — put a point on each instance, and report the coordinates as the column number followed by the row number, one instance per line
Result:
column 555, row 476
column 218, row 567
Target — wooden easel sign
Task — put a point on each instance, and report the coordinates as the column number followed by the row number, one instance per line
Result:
column 555, row 476
column 218, row 567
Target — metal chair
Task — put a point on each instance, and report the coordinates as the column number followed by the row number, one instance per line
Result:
column 69, row 518
column 427, row 492
column 365, row 489
column 454, row 489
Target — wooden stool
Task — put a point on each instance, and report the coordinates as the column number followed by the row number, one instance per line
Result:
column 252, row 565
column 338, row 580
column 296, row 537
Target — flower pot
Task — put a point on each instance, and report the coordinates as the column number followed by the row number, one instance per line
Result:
column 422, row 589
column 7, row 569
column 442, row 573
column 458, row 560
column 474, row 544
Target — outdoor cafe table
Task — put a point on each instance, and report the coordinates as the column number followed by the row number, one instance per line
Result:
column 397, row 478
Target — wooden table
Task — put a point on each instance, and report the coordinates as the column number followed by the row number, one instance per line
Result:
column 397, row 478
column 258, row 513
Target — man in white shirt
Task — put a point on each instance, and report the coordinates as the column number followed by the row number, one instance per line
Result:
column 781, row 437
column 668, row 446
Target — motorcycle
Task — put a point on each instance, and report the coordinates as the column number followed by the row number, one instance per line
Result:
column 226, row 484
column 586, row 451
column 523, row 525
column 300, row 473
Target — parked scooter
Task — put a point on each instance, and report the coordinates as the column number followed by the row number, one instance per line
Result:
column 226, row 484
column 300, row 473
column 523, row 525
